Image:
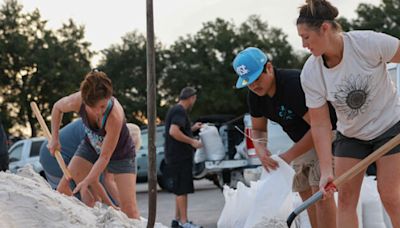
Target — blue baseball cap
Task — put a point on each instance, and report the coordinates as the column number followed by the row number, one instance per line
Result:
column 248, row 65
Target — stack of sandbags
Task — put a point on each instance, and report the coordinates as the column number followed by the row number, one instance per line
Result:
column 267, row 201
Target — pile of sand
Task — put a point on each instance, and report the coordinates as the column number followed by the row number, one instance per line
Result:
column 28, row 201
column 271, row 223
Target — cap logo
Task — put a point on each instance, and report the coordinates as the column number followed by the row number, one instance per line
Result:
column 242, row 70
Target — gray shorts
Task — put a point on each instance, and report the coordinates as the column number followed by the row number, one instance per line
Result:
column 360, row 149
column 127, row 165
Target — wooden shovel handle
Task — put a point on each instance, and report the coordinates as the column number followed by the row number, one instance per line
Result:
column 47, row 133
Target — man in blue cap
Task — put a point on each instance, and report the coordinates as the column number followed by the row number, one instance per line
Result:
column 276, row 94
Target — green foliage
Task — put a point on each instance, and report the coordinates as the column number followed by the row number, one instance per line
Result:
column 42, row 65
column 37, row 64
column 383, row 18
column 125, row 64
column 204, row 61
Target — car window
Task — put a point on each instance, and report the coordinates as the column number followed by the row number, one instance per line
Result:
column 35, row 148
column 159, row 138
column 16, row 153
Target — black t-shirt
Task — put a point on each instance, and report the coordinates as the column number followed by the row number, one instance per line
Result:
column 287, row 107
column 176, row 151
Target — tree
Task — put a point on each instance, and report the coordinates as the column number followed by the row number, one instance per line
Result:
column 383, row 18
column 125, row 64
column 204, row 60
column 37, row 64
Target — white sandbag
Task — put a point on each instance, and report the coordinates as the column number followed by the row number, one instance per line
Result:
column 386, row 219
column 241, row 150
column 199, row 155
column 212, row 143
column 243, row 204
column 371, row 204
column 359, row 210
column 273, row 199
column 228, row 211
column 238, row 204
column 302, row 220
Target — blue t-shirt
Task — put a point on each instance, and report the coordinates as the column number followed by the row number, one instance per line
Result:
column 70, row 137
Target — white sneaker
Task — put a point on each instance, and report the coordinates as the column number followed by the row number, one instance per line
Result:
column 190, row 225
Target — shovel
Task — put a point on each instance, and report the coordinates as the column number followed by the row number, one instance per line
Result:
column 362, row 165
column 57, row 153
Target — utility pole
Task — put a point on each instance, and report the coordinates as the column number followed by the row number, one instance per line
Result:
column 151, row 116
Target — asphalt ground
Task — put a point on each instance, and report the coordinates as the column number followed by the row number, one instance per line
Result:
column 204, row 206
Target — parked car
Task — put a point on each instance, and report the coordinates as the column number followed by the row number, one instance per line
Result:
column 25, row 152
column 142, row 153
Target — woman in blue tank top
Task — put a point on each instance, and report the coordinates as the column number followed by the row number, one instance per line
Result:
column 107, row 145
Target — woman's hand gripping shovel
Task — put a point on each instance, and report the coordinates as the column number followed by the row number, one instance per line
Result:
column 362, row 165
column 57, row 153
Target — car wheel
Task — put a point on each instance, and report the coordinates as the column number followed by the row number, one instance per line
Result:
column 199, row 170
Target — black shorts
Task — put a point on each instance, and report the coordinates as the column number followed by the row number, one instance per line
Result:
column 179, row 178
column 360, row 149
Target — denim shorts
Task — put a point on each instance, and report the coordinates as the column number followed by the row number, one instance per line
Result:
column 126, row 165
column 360, row 149
column 52, row 180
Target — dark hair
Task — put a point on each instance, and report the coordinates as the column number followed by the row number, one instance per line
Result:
column 95, row 87
column 316, row 12
column 187, row 92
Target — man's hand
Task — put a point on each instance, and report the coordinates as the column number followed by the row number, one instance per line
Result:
column 266, row 160
column 196, row 126
column 196, row 144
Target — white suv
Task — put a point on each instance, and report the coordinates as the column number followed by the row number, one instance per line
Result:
column 25, row 152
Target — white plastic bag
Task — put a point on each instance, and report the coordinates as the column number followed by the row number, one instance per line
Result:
column 273, row 199
column 228, row 211
column 212, row 143
column 371, row 204
column 303, row 220
column 199, row 155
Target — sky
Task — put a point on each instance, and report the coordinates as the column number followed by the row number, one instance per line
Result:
column 107, row 21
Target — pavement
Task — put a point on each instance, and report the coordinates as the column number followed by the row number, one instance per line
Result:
column 204, row 206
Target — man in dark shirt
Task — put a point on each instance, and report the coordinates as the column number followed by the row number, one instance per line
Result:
column 3, row 149
column 276, row 94
column 179, row 149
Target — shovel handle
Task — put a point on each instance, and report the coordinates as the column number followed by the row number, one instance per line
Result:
column 57, row 153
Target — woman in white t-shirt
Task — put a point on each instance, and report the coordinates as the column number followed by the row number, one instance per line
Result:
column 349, row 70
